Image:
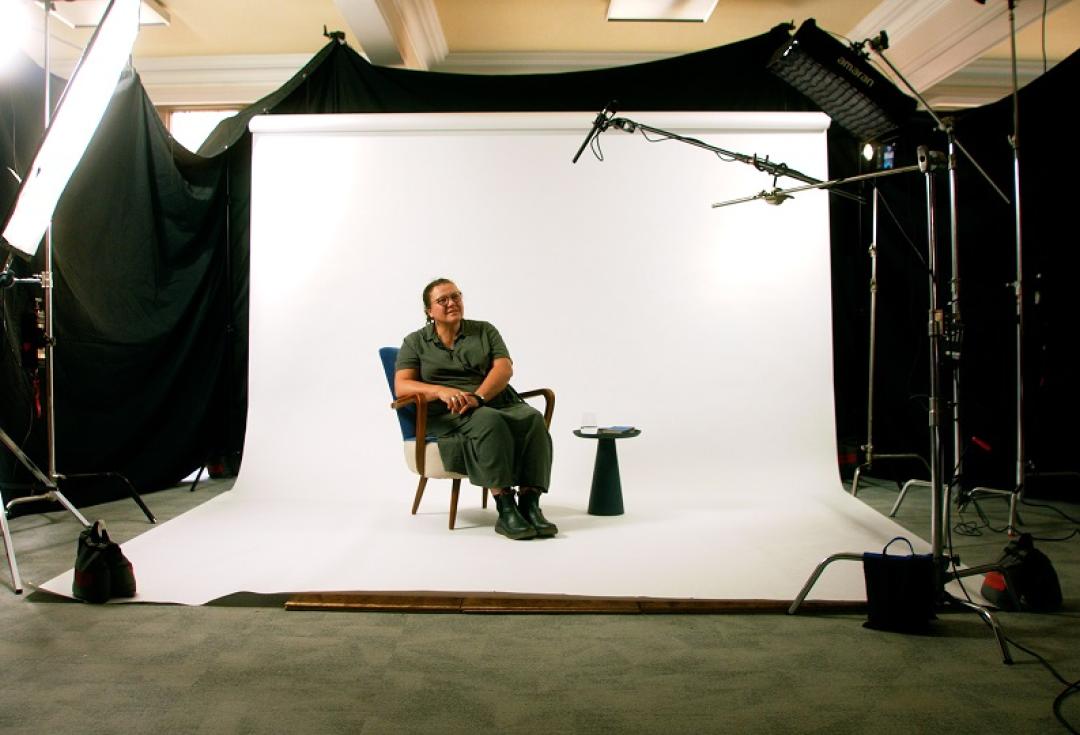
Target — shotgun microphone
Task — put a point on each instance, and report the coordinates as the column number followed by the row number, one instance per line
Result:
column 599, row 125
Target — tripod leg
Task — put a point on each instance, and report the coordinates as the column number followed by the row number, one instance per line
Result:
column 814, row 578
column 855, row 480
column 990, row 620
column 135, row 496
column 903, row 491
column 59, row 498
column 198, row 476
column 127, row 483
column 9, row 549
column 139, row 501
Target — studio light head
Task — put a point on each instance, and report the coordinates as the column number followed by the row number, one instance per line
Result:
column 841, row 82
column 880, row 156
column 78, row 113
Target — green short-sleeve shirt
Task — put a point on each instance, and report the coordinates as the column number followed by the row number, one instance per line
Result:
column 465, row 366
column 518, row 455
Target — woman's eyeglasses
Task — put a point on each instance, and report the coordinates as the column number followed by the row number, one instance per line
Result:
column 444, row 300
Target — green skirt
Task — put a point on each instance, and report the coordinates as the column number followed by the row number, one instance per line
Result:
column 496, row 447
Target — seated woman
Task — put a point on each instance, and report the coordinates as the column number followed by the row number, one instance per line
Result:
column 485, row 430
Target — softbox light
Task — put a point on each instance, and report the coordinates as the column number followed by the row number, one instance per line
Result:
column 840, row 81
column 78, row 113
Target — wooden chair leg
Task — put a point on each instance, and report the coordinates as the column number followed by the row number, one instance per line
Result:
column 455, row 490
column 419, row 494
column 483, row 497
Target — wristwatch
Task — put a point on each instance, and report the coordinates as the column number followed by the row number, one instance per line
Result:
column 479, row 398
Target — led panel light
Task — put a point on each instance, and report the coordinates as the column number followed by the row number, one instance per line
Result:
column 87, row 13
column 684, row 11
column 841, row 82
column 81, row 108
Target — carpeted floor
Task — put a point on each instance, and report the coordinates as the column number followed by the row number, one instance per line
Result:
column 244, row 664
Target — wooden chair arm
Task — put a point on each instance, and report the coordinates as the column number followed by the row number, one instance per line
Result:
column 421, row 402
column 549, row 402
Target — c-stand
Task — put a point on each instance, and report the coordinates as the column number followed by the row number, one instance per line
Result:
column 48, row 194
column 928, row 163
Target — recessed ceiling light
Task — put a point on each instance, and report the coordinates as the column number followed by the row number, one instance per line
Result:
column 679, row 11
column 87, row 13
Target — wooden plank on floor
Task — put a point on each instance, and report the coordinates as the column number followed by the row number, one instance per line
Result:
column 509, row 604
column 718, row 607
column 833, row 606
column 711, row 607
column 367, row 602
column 563, row 605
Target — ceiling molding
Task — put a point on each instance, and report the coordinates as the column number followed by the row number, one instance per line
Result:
column 929, row 40
column 981, row 82
column 423, row 32
column 216, row 80
column 396, row 32
column 371, row 28
column 240, row 80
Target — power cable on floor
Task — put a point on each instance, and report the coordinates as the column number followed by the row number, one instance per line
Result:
column 1070, row 687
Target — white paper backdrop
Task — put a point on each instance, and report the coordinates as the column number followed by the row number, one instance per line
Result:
column 614, row 283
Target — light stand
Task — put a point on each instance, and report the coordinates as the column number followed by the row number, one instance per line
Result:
column 929, row 161
column 840, row 81
column 66, row 136
column 952, row 325
column 868, row 449
column 1017, row 493
column 819, row 77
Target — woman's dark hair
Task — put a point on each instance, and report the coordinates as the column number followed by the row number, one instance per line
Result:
column 427, row 295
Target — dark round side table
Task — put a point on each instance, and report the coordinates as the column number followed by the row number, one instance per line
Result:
column 605, row 498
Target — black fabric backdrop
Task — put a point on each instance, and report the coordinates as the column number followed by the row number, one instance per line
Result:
column 151, row 246
column 987, row 257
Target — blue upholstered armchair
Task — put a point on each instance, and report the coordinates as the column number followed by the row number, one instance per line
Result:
column 422, row 451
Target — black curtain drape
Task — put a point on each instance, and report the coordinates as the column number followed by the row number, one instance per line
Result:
column 988, row 262
column 140, row 315
column 987, row 271
column 151, row 246
column 338, row 80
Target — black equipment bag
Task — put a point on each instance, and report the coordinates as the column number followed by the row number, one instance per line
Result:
column 901, row 590
column 1030, row 575
column 101, row 569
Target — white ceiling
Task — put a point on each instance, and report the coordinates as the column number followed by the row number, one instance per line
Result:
column 218, row 52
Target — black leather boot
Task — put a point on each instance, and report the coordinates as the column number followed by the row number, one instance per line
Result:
column 529, row 506
column 510, row 523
